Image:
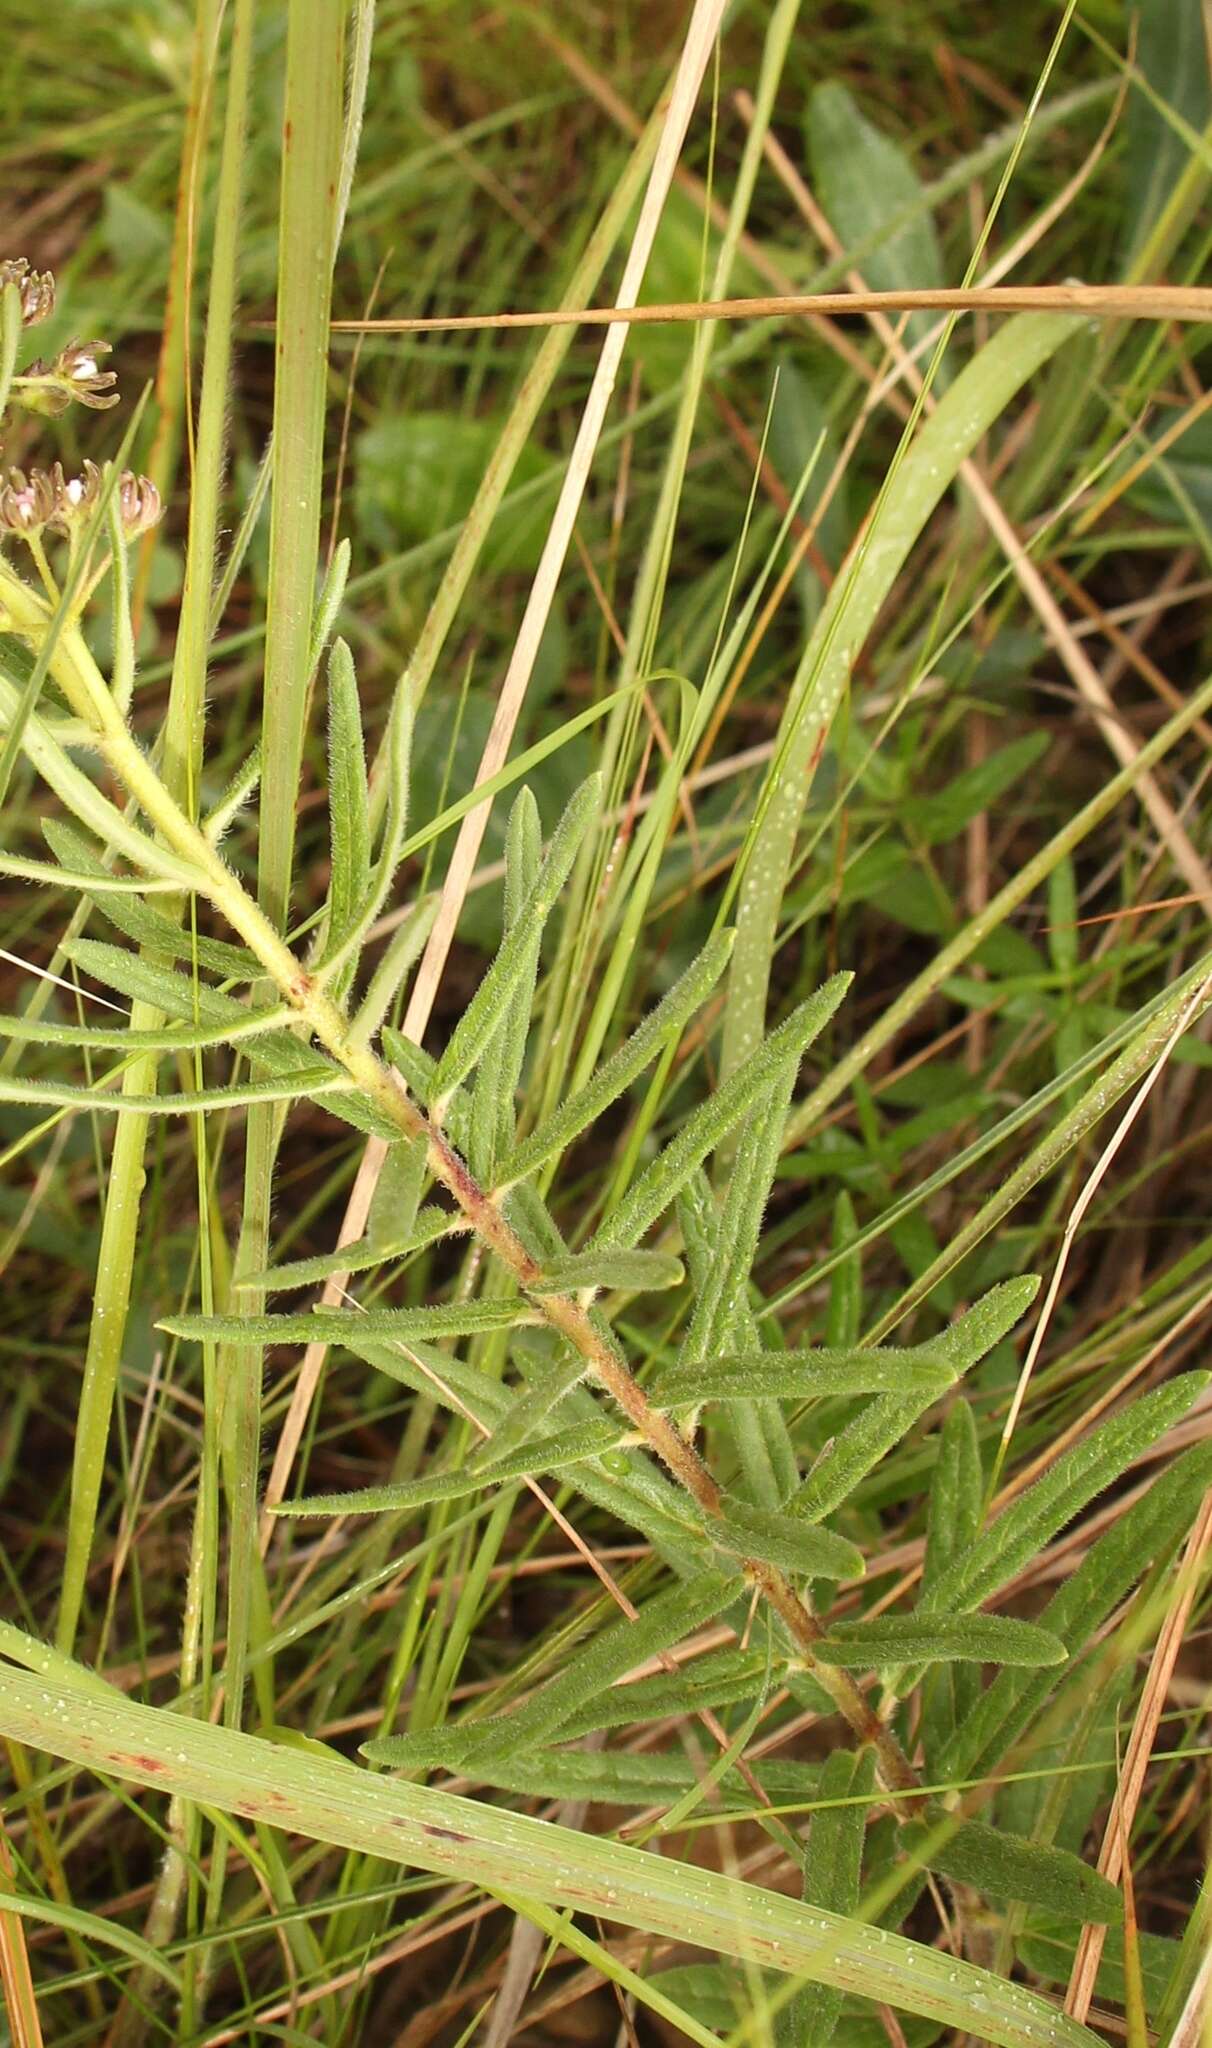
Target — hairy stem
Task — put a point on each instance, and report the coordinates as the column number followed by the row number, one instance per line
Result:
column 332, row 1029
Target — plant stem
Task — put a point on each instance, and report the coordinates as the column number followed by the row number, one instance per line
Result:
column 383, row 1087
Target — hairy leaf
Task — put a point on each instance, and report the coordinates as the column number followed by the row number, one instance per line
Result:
column 783, row 1540
column 632, row 1271
column 1021, row 1532
column 548, row 1454
column 932, row 1639
column 833, row 1870
column 805, row 1376
column 1146, row 1530
column 335, row 1326
column 348, row 797
column 706, row 1127
column 616, row 1650
column 872, row 1434
column 491, row 1121
column 487, row 1008
column 617, row 1073
column 1006, row 1867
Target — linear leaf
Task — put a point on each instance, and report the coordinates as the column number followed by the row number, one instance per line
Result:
column 132, row 974
column 1021, row 1532
column 717, row 1680
column 473, row 1842
column 417, row 1066
column 142, row 922
column 396, row 757
column 619, row 1777
column 1006, row 1867
column 740, row 1218
column 615, row 1651
column 633, row 1271
column 333, row 1326
column 492, row 1118
column 932, row 1639
column 529, row 1410
column 173, row 1038
column 1148, row 1529
column 617, row 1073
column 549, row 1454
column 360, row 1256
column 953, row 1523
column 348, row 796
column 784, row 1540
column 956, row 1493
column 804, row 1376
column 487, row 1007
column 833, row 1870
column 661, row 1182
column 870, row 1436
column 187, row 1102
column 761, row 1440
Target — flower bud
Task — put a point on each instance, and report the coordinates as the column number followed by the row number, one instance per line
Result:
column 27, row 503
column 36, row 287
column 139, row 506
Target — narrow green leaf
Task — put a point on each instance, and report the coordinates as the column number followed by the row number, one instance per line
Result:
column 956, row 1494
column 238, row 792
column 348, row 797
column 1004, row 1866
column 783, row 1540
column 487, row 1007
column 721, row 1296
column 859, row 1447
column 328, row 603
column 134, row 975
column 1021, row 1532
column 619, row 1777
column 142, row 922
column 719, row 1679
column 865, row 181
column 491, row 1122
column 846, row 1283
column 632, row 1271
column 617, row 1649
column 417, row 1066
column 661, row 1182
column 474, row 1842
column 617, row 1073
column 953, row 1523
column 326, row 1087
column 395, row 762
column 1148, row 1529
column 334, row 1326
column 173, row 1039
column 548, row 1454
column 933, row 1639
column 833, row 1871
column 805, row 1376
column 362, row 1256
column 528, row 1411
column 761, row 1441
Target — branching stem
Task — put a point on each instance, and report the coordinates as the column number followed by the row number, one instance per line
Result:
column 85, row 689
